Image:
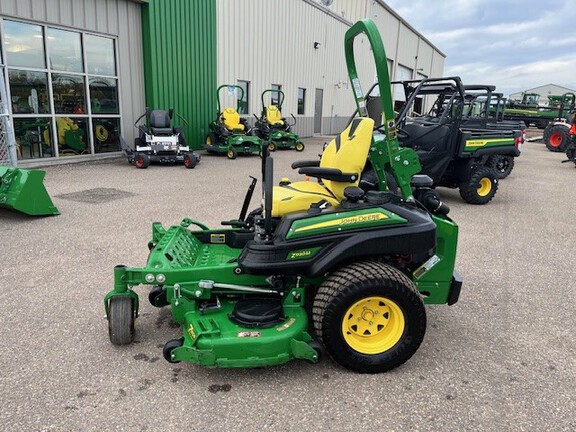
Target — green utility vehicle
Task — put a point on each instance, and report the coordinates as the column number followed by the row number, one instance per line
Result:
column 229, row 133
column 451, row 153
column 275, row 129
column 321, row 266
column 482, row 110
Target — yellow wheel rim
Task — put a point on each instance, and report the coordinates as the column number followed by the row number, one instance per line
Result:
column 299, row 146
column 485, row 186
column 373, row 325
column 271, row 147
column 208, row 140
column 101, row 133
column 230, row 154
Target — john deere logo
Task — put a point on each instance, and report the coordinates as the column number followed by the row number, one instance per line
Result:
column 362, row 218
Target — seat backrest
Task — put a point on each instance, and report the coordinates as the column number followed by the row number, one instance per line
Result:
column 273, row 115
column 159, row 119
column 348, row 152
column 231, row 119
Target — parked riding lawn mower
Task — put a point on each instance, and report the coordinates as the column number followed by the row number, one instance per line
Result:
column 320, row 267
column 159, row 141
column 275, row 129
column 229, row 133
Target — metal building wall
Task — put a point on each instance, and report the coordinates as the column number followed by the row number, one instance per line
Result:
column 272, row 42
column 118, row 18
column 180, row 61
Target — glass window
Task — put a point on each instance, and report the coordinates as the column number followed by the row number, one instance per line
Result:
column 100, row 55
column 29, row 91
column 243, row 103
column 106, row 134
column 275, row 95
column 65, row 50
column 33, row 138
column 24, row 44
column 301, row 100
column 104, row 96
column 68, row 94
column 72, row 136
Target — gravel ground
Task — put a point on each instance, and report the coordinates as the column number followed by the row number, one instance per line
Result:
column 502, row 358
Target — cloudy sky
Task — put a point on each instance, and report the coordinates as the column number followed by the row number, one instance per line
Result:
column 513, row 44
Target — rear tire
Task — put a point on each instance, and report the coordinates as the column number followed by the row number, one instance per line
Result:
column 369, row 316
column 480, row 187
column 556, row 138
column 189, row 160
column 503, row 165
column 142, row 161
column 121, row 320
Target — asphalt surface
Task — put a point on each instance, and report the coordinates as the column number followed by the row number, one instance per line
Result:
column 502, row 358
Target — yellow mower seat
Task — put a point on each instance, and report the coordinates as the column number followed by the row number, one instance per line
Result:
column 231, row 119
column 274, row 116
column 348, row 153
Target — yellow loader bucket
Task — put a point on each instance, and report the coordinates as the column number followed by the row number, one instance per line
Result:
column 23, row 190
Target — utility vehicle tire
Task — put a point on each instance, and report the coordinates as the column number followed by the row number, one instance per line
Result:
column 556, row 138
column 232, row 154
column 369, row 316
column 300, row 147
column 480, row 187
column 142, row 161
column 121, row 320
column 158, row 297
column 272, row 147
column 211, row 139
column 189, row 160
column 169, row 346
column 502, row 164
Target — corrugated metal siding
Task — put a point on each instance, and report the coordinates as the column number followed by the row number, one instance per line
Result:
column 118, row 18
column 271, row 42
column 180, row 60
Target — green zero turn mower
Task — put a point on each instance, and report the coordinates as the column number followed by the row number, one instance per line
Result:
column 320, row 267
column 275, row 129
column 230, row 134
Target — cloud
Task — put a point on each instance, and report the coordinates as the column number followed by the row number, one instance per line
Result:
column 514, row 44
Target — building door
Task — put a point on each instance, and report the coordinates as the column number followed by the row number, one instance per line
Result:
column 318, row 111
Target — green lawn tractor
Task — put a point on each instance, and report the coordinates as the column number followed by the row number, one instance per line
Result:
column 571, row 147
column 159, row 141
column 275, row 129
column 321, row 267
column 229, row 133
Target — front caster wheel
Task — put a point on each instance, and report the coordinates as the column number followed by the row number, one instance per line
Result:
column 369, row 316
column 300, row 147
column 319, row 348
column 121, row 320
column 232, row 154
column 169, row 347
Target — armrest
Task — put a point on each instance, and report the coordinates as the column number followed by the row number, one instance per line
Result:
column 332, row 174
column 305, row 163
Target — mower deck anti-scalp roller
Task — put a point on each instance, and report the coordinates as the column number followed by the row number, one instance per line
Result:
column 319, row 267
